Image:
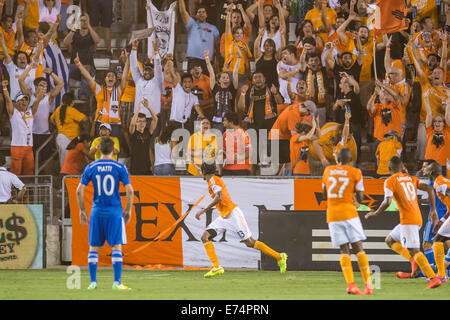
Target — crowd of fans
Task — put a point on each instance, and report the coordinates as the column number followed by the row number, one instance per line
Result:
column 334, row 86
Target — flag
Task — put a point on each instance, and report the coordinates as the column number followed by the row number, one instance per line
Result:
column 54, row 59
column 390, row 16
column 163, row 23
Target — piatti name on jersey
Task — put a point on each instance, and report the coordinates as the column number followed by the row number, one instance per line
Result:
column 104, row 169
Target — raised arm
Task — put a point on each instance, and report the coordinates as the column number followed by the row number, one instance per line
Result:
column 95, row 37
column 59, row 85
column 343, row 27
column 212, row 75
column 429, row 116
column 257, row 44
column 251, row 10
column 39, row 97
column 185, row 17
column 387, row 54
column 23, row 86
column 7, row 59
column 245, row 18
column 235, row 82
column 154, row 122
column 330, row 61
column 84, row 72
column 126, row 71
column 8, row 101
column 19, row 27
column 134, row 65
column 371, row 103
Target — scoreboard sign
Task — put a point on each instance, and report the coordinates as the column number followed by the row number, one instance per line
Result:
column 21, row 236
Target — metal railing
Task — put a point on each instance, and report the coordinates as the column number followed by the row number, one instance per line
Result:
column 40, row 192
column 37, row 167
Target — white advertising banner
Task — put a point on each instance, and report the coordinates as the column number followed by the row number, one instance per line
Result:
column 248, row 195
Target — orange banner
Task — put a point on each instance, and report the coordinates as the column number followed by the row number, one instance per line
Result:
column 156, row 206
column 309, row 194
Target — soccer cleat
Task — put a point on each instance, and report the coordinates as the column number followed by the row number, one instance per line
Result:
column 443, row 280
column 92, row 286
column 282, row 263
column 121, row 286
column 403, row 275
column 434, row 283
column 368, row 290
column 414, row 268
column 215, row 272
column 352, row 288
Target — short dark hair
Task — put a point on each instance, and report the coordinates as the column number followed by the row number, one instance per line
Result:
column 208, row 168
column 395, row 164
column 16, row 56
column 43, row 27
column 303, row 127
column 38, row 80
column 6, row 17
column 309, row 40
column 291, row 48
column 424, row 19
column 344, row 156
column 232, row 117
column 142, row 115
column 312, row 56
column 2, row 160
column 106, row 146
column 186, row 75
column 436, row 169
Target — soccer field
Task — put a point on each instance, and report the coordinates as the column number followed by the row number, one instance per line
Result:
column 51, row 284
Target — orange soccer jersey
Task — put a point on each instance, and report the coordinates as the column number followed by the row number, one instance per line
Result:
column 403, row 188
column 441, row 185
column 341, row 182
column 225, row 206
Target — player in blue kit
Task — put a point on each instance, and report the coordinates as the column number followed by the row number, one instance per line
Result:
column 107, row 220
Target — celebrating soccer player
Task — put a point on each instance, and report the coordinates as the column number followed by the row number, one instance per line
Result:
column 341, row 182
column 107, row 220
column 404, row 238
column 232, row 219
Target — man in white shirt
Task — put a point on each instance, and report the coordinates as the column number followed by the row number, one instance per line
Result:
column 149, row 83
column 21, row 118
column 288, row 71
column 7, row 181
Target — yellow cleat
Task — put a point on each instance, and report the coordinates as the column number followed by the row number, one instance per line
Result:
column 214, row 272
column 116, row 286
column 282, row 263
column 92, row 286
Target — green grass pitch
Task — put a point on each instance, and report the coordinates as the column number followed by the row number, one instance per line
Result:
column 51, row 284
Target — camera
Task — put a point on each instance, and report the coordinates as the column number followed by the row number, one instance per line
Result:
column 386, row 116
column 197, row 91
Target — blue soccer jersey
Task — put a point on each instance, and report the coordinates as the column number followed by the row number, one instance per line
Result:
column 106, row 176
column 441, row 209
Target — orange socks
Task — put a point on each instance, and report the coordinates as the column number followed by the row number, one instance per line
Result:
column 346, row 266
column 423, row 264
column 397, row 247
column 211, row 252
column 439, row 255
column 261, row 246
column 363, row 264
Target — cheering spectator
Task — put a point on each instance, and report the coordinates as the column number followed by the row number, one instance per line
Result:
column 202, row 146
column 68, row 121
column 267, row 61
column 275, row 28
column 348, row 101
column 30, row 11
column 105, row 132
column 236, row 148
column 183, row 99
column 149, row 83
column 299, row 148
column 107, row 97
column 163, row 164
column 223, row 91
column 201, row 87
column 167, row 94
column 77, row 156
column 389, row 147
column 288, row 70
column 238, row 19
column 386, row 114
column 347, row 67
column 11, row 31
column 438, row 134
column 317, row 83
column 306, row 31
column 315, row 16
column 140, row 140
column 101, row 13
column 49, row 10
column 237, row 51
column 46, row 101
column 83, row 43
column 21, row 117
column 201, row 36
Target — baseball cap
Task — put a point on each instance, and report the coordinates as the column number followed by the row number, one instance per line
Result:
column 21, row 95
column 106, row 125
column 391, row 133
column 148, row 64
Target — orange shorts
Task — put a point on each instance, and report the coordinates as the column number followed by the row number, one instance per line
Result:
column 22, row 161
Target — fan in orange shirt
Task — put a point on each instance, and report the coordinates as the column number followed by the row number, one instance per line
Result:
column 340, row 183
column 404, row 239
column 231, row 219
column 441, row 228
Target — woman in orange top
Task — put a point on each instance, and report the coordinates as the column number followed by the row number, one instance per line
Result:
column 231, row 218
column 438, row 135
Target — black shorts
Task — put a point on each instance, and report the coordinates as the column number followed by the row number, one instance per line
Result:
column 285, row 151
column 100, row 13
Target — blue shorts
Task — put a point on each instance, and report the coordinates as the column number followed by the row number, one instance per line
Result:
column 428, row 234
column 109, row 227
